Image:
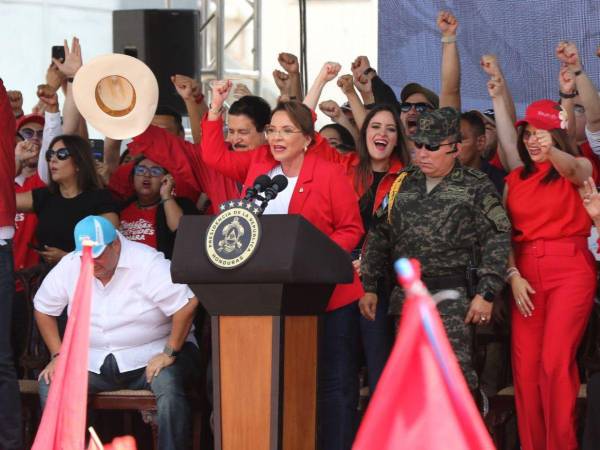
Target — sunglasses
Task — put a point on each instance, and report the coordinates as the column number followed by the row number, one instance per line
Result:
column 433, row 148
column 61, row 154
column 419, row 107
column 153, row 171
column 29, row 133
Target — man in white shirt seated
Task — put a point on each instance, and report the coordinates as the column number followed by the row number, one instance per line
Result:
column 140, row 324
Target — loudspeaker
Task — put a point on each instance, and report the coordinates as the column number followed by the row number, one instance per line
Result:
column 167, row 40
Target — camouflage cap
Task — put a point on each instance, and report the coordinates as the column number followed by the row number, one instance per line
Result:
column 435, row 126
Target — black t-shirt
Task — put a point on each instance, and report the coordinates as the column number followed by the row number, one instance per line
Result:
column 366, row 204
column 495, row 174
column 57, row 216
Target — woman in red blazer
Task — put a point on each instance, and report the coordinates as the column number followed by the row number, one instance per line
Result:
column 320, row 191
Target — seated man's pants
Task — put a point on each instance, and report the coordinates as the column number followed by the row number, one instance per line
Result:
column 174, row 417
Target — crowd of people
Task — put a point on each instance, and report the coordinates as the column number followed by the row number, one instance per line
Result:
column 498, row 211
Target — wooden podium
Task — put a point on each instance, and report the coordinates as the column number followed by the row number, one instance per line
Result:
column 264, row 318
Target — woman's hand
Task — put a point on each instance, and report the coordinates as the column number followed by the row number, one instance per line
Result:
column 166, row 187
column 331, row 109
column 368, row 305
column 545, row 141
column 52, row 255
column 346, row 84
column 591, row 200
column 329, row 71
column 356, row 265
column 521, row 290
column 495, row 87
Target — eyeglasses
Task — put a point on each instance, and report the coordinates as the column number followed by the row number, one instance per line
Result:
column 144, row 171
column 419, row 107
column 61, row 154
column 29, row 133
column 433, row 148
column 284, row 132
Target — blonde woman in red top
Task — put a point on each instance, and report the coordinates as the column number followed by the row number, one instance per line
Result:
column 551, row 271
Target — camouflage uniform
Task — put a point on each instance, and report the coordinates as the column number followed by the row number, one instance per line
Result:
column 439, row 229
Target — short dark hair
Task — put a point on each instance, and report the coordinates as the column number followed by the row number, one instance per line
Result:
column 299, row 114
column 81, row 153
column 345, row 135
column 256, row 108
column 473, row 118
column 164, row 110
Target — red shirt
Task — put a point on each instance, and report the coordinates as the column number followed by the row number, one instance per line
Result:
column 545, row 211
column 7, row 160
column 139, row 224
column 25, row 225
column 586, row 151
column 323, row 195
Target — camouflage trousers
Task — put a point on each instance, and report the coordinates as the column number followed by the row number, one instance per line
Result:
column 460, row 334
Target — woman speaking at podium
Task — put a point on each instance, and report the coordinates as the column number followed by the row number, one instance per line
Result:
column 320, row 192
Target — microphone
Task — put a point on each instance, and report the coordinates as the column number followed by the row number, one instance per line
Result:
column 278, row 184
column 259, row 185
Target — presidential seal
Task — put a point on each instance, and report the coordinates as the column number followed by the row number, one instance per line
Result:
column 233, row 236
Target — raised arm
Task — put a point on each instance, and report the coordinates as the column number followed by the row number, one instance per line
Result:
column 363, row 75
column 52, row 127
column 72, row 118
column 189, row 91
column 450, row 72
column 327, row 73
column 507, row 134
column 576, row 170
column 289, row 63
column 346, row 83
column 567, row 92
column 332, row 110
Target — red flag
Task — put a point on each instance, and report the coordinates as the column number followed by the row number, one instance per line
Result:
column 63, row 422
column 422, row 401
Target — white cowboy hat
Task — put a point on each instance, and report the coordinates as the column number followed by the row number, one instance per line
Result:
column 117, row 94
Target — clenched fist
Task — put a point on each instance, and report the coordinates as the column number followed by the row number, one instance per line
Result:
column 489, row 64
column 283, row 82
column 48, row 97
column 359, row 65
column 331, row 109
column 289, row 63
column 16, row 102
column 567, row 53
column 329, row 71
column 447, row 23
column 185, row 86
column 346, row 83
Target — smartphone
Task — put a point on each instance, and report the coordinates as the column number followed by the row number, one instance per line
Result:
column 130, row 51
column 36, row 247
column 58, row 52
column 97, row 149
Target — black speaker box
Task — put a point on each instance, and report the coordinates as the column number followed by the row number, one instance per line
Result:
column 167, row 40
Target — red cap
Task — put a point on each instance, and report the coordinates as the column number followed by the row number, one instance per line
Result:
column 36, row 118
column 546, row 115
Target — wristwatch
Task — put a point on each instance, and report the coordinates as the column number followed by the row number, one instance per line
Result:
column 170, row 351
column 488, row 296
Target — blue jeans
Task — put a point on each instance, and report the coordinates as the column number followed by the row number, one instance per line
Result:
column 10, row 401
column 337, row 397
column 174, row 415
column 377, row 339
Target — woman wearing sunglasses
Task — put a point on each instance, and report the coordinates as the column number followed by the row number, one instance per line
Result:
column 152, row 215
column 320, row 192
column 74, row 192
column 551, row 271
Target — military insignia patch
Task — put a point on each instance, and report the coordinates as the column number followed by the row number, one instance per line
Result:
column 233, row 236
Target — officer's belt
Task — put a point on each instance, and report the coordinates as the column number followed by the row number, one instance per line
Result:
column 445, row 282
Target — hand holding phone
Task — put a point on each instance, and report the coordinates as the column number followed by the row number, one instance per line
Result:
column 58, row 52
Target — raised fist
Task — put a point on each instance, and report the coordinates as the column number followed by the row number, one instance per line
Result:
column 283, row 81
column 186, row 87
column 566, row 80
column 489, row 64
column 545, row 141
column 16, row 102
column 346, row 83
column 363, row 84
column 220, row 92
column 331, row 109
column 495, row 87
column 72, row 61
column 289, row 62
column 329, row 71
column 27, row 152
column 359, row 65
column 447, row 23
column 54, row 77
column 47, row 95
column 567, row 53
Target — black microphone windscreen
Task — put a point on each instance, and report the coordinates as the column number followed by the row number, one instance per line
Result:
column 262, row 182
column 280, row 181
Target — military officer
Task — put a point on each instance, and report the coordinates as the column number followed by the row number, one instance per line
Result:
column 438, row 211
